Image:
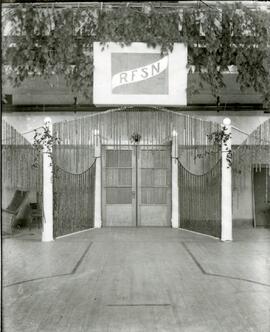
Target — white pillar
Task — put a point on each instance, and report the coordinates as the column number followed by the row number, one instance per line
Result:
column 97, row 213
column 175, row 192
column 47, row 211
column 226, row 186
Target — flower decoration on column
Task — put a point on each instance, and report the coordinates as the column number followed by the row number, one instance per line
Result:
column 44, row 141
column 221, row 137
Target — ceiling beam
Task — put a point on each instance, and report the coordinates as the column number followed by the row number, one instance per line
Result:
column 93, row 108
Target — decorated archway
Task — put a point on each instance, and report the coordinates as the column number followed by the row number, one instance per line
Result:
column 163, row 139
column 195, row 174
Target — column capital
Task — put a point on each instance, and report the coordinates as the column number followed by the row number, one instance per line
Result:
column 47, row 120
column 227, row 122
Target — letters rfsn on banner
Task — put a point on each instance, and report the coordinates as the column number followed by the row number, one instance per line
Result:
column 139, row 75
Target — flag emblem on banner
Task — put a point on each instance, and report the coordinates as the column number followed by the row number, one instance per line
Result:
column 139, row 73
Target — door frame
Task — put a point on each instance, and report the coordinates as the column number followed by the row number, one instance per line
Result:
column 253, row 167
column 105, row 147
column 140, row 206
column 134, row 148
column 253, row 196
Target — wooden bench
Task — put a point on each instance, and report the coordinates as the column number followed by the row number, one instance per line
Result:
column 10, row 213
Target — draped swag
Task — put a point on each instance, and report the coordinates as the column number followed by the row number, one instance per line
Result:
column 17, row 161
column 154, row 126
column 117, row 126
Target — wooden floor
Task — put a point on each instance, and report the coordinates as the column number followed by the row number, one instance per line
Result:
column 144, row 279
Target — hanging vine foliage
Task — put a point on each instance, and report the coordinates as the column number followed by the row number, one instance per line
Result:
column 220, row 137
column 217, row 138
column 58, row 41
column 43, row 140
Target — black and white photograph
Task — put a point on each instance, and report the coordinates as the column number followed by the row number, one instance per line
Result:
column 135, row 158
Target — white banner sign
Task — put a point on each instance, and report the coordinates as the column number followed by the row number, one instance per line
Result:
column 139, row 75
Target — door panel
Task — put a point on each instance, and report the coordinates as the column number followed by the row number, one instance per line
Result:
column 120, row 196
column 119, row 215
column 154, row 215
column 137, row 186
column 118, row 182
column 262, row 197
column 154, row 186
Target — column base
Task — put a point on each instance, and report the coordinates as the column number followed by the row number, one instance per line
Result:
column 47, row 238
column 98, row 223
column 175, row 223
column 226, row 239
column 226, row 230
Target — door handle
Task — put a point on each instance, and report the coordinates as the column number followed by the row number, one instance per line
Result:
column 133, row 194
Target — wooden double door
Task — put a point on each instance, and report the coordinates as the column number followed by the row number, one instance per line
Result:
column 136, row 185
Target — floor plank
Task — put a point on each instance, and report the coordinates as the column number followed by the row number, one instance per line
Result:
column 137, row 279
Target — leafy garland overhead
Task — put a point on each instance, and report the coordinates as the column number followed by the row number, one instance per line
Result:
column 58, row 41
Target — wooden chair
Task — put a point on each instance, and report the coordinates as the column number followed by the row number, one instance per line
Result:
column 36, row 216
column 10, row 213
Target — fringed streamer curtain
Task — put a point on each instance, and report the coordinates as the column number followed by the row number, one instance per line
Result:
column 18, row 158
column 196, row 152
column 75, row 154
column 200, row 200
column 254, row 152
column 74, row 198
column 118, row 126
